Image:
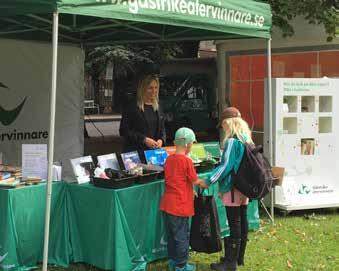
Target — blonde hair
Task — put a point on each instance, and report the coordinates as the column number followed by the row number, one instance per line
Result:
column 237, row 127
column 143, row 85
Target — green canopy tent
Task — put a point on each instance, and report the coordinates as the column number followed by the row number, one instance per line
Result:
column 93, row 22
column 97, row 22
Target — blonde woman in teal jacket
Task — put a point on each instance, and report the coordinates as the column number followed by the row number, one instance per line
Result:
column 237, row 133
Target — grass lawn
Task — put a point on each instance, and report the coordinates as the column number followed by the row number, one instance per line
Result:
column 304, row 241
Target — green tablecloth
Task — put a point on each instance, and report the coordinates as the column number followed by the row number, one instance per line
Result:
column 22, row 218
column 118, row 229
column 123, row 229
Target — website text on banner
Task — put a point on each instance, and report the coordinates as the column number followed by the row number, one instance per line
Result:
column 195, row 8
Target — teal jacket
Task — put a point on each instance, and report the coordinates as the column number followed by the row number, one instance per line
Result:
column 230, row 160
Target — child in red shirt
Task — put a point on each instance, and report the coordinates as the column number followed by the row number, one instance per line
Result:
column 177, row 200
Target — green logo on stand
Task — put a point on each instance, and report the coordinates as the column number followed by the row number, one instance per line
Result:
column 304, row 190
column 7, row 117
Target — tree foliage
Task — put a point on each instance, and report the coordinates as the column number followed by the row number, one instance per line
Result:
column 132, row 58
column 127, row 58
column 314, row 11
column 129, row 61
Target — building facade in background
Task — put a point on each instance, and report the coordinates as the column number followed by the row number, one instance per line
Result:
column 242, row 66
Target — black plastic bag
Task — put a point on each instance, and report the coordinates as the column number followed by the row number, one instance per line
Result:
column 205, row 228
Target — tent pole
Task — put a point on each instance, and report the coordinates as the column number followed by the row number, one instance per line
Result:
column 51, row 138
column 270, row 116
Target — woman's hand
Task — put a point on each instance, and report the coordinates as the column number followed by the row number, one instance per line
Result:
column 159, row 141
column 149, row 142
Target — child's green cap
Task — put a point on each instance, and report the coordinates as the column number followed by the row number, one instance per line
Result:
column 184, row 136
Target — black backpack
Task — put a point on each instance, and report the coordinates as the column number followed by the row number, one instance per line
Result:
column 254, row 178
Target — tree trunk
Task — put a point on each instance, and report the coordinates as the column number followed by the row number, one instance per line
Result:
column 96, row 86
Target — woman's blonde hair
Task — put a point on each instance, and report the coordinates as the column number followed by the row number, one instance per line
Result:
column 143, row 85
column 238, row 128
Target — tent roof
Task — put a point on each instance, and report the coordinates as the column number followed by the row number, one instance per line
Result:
column 94, row 22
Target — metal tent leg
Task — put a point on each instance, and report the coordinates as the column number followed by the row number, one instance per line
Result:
column 51, row 138
column 270, row 110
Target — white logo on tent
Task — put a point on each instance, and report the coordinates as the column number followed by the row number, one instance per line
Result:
column 162, row 241
column 3, row 257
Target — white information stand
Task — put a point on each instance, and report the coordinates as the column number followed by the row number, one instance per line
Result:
column 305, row 142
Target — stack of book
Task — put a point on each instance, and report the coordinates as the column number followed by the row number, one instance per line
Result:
column 31, row 180
column 9, row 176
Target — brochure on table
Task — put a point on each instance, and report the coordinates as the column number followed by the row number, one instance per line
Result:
column 170, row 150
column 306, row 136
column 212, row 149
column 57, row 172
column 108, row 161
column 8, row 180
column 81, row 168
column 198, row 153
column 156, row 157
column 34, row 160
column 130, row 159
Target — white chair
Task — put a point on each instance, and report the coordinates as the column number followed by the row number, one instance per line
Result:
column 89, row 104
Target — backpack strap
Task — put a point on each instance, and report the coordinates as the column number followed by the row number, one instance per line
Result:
column 232, row 195
column 232, row 187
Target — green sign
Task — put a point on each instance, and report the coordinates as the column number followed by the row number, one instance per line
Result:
column 198, row 151
column 212, row 149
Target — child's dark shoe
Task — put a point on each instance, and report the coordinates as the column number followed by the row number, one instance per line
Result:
column 171, row 264
column 187, row 267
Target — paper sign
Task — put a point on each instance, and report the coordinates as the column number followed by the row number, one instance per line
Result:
column 34, row 160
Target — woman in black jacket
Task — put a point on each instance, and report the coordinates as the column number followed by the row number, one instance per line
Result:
column 141, row 125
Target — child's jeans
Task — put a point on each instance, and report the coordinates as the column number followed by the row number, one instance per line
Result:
column 177, row 238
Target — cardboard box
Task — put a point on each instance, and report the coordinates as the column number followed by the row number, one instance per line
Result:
column 279, row 173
